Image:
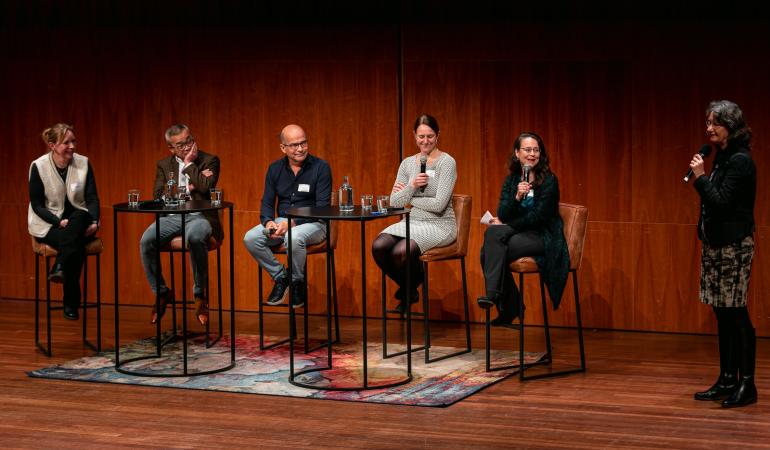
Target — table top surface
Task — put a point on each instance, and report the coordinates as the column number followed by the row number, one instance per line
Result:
column 151, row 206
column 334, row 213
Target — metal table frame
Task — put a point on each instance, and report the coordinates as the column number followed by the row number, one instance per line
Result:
column 183, row 210
column 327, row 214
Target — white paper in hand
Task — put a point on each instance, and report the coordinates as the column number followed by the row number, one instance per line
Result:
column 486, row 218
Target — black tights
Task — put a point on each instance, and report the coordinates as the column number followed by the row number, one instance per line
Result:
column 390, row 255
column 737, row 341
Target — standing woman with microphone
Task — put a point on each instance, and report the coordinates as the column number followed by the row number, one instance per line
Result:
column 726, row 227
column 426, row 181
column 528, row 224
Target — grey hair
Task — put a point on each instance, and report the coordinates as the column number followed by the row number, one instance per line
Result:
column 174, row 130
column 729, row 115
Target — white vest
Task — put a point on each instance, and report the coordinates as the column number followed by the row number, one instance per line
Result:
column 73, row 188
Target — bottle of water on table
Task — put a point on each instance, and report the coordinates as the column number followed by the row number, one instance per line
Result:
column 346, row 195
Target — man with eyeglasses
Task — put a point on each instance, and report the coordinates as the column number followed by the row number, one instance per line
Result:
column 195, row 172
column 297, row 179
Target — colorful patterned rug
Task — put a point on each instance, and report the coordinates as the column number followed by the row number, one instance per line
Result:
column 266, row 372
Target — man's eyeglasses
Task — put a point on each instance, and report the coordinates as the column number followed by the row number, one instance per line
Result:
column 532, row 150
column 296, row 145
column 187, row 143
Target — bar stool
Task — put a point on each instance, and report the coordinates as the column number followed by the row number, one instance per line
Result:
column 461, row 203
column 175, row 246
column 93, row 248
column 575, row 220
column 315, row 249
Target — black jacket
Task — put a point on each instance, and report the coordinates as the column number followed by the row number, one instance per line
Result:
column 544, row 218
column 727, row 197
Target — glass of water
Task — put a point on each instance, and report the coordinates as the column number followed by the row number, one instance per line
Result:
column 133, row 198
column 383, row 203
column 216, row 196
column 366, row 202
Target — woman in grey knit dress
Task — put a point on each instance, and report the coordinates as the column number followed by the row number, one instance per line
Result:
column 432, row 219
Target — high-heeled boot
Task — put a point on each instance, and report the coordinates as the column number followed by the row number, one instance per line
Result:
column 746, row 393
column 727, row 382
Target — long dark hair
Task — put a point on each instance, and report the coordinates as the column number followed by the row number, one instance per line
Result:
column 729, row 115
column 541, row 169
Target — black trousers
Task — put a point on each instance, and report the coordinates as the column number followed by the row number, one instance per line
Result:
column 70, row 242
column 502, row 245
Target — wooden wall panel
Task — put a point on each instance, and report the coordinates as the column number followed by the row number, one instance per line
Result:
column 619, row 104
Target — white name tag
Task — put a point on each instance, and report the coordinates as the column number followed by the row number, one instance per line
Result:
column 74, row 187
column 431, row 173
column 303, row 188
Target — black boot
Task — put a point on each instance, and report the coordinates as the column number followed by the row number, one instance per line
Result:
column 729, row 350
column 746, row 393
column 724, row 386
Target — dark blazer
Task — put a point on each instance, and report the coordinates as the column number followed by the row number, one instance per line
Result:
column 727, row 197
column 543, row 218
column 201, row 182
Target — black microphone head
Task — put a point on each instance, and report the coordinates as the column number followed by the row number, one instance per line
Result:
column 705, row 150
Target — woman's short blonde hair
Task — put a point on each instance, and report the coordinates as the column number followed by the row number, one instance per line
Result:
column 55, row 134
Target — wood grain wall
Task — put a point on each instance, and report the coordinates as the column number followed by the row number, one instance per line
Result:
column 619, row 103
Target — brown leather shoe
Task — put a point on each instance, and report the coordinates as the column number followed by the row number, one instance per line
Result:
column 202, row 310
column 165, row 299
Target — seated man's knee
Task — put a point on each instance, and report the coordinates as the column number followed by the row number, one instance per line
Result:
column 199, row 234
column 255, row 237
column 147, row 242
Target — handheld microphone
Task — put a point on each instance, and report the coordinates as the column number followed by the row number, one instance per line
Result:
column 268, row 232
column 423, row 164
column 525, row 172
column 704, row 152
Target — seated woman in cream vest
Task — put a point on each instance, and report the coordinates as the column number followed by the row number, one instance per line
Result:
column 63, row 209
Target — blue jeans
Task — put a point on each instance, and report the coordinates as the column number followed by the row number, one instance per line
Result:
column 197, row 233
column 302, row 235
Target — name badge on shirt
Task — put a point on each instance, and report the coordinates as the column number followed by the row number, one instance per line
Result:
column 303, row 188
column 431, row 173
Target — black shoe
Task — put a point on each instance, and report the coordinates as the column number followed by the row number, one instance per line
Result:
column 71, row 312
column 485, row 302
column 278, row 294
column 744, row 395
column 298, row 294
column 503, row 319
column 724, row 386
column 401, row 307
column 506, row 314
column 57, row 274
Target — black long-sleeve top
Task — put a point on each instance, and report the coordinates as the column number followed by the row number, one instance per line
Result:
column 310, row 187
column 543, row 217
column 727, row 197
column 37, row 197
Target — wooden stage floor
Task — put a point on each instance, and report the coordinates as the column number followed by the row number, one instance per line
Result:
column 637, row 393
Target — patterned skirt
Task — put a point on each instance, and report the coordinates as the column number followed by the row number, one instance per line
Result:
column 725, row 272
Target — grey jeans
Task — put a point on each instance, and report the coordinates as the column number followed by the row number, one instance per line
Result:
column 197, row 233
column 302, row 235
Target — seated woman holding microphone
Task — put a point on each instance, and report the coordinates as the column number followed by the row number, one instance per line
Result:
column 425, row 180
column 527, row 224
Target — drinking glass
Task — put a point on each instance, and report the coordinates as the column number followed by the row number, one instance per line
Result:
column 133, row 198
